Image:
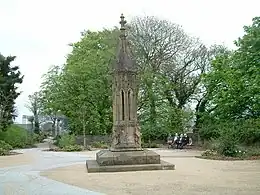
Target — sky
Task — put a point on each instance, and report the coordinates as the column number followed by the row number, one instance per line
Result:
column 38, row 31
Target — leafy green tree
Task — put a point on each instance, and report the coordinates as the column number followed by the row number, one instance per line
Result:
column 10, row 76
column 50, row 97
column 233, row 84
column 34, row 106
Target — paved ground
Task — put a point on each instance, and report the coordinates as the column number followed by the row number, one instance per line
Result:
column 25, row 179
column 192, row 176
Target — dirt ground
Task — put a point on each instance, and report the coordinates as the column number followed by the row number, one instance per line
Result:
column 192, row 176
column 16, row 160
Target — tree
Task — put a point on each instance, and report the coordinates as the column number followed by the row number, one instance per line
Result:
column 31, row 120
column 154, row 43
column 235, row 78
column 34, row 106
column 81, row 89
column 50, row 96
column 10, row 76
column 171, row 64
column 233, row 84
column 86, row 81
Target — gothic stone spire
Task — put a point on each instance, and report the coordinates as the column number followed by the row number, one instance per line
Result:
column 124, row 60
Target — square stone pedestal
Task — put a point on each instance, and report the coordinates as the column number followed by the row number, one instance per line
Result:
column 120, row 161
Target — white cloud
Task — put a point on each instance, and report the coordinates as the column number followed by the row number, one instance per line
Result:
column 38, row 32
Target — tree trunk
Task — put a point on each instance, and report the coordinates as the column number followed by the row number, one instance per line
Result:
column 53, row 127
column 84, row 135
column 36, row 123
column 32, row 128
column 36, row 127
column 58, row 127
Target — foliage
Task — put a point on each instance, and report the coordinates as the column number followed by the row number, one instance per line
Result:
column 66, row 140
column 225, row 136
column 10, row 76
column 150, row 145
column 81, row 89
column 67, row 143
column 170, row 66
column 38, row 138
column 17, row 137
column 72, row 148
column 175, row 70
column 5, row 148
column 100, row 144
column 234, row 79
column 233, row 94
column 34, row 106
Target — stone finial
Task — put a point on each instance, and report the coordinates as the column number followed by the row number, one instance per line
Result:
column 122, row 22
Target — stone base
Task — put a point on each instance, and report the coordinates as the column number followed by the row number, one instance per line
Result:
column 94, row 167
column 108, row 157
column 141, row 160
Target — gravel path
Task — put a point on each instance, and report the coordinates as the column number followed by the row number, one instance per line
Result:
column 192, row 176
column 60, row 173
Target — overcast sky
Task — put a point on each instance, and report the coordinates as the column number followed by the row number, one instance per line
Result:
column 38, row 31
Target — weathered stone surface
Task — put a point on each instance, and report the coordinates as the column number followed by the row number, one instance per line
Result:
column 107, row 157
column 94, row 167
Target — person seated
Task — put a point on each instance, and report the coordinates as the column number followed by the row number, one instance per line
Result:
column 169, row 140
column 179, row 141
column 185, row 139
column 175, row 137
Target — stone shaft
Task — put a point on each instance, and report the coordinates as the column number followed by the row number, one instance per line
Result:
column 126, row 132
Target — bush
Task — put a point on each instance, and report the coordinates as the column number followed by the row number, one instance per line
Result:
column 4, row 148
column 209, row 153
column 72, row 148
column 5, row 145
column 17, row 137
column 244, row 131
column 249, row 131
column 100, row 144
column 38, row 138
column 150, row 145
column 66, row 140
column 67, row 143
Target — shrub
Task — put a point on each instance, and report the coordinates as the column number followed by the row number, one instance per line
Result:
column 100, row 144
column 67, row 143
column 4, row 148
column 249, row 131
column 209, row 153
column 244, row 131
column 17, row 137
column 66, row 140
column 4, row 152
column 38, row 138
column 5, row 145
column 150, row 145
column 72, row 148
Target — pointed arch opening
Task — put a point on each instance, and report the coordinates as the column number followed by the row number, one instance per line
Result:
column 130, row 103
column 123, row 104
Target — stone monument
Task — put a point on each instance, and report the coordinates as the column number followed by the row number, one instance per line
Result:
column 125, row 153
